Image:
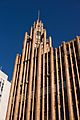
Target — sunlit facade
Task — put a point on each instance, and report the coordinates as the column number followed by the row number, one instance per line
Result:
column 46, row 80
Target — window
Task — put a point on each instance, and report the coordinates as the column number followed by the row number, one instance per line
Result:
column 38, row 35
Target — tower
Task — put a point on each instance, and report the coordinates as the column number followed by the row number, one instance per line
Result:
column 43, row 79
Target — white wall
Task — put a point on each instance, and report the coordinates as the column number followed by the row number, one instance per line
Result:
column 5, row 96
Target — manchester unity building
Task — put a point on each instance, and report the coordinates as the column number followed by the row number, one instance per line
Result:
column 46, row 80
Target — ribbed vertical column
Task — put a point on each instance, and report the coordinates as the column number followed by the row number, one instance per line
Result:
column 12, row 89
column 30, row 80
column 58, row 92
column 20, row 79
column 78, row 44
column 43, row 89
column 34, row 79
column 47, row 90
column 23, row 82
column 74, row 84
column 31, row 32
column 38, row 85
column 44, row 41
column 15, row 89
column 50, row 42
column 76, row 64
column 26, row 78
column 62, row 84
column 53, row 115
column 71, row 116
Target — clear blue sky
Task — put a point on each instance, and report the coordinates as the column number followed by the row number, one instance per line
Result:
column 61, row 18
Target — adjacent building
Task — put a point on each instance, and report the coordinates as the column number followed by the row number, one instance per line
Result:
column 4, row 94
column 46, row 80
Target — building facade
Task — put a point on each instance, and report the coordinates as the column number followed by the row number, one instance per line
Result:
column 4, row 94
column 46, row 81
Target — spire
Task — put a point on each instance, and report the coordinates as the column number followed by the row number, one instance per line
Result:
column 38, row 15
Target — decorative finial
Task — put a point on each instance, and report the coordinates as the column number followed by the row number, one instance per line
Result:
column 38, row 15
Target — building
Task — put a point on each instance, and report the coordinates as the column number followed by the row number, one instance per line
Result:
column 4, row 94
column 46, row 81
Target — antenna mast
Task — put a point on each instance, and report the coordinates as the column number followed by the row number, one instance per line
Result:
column 38, row 15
